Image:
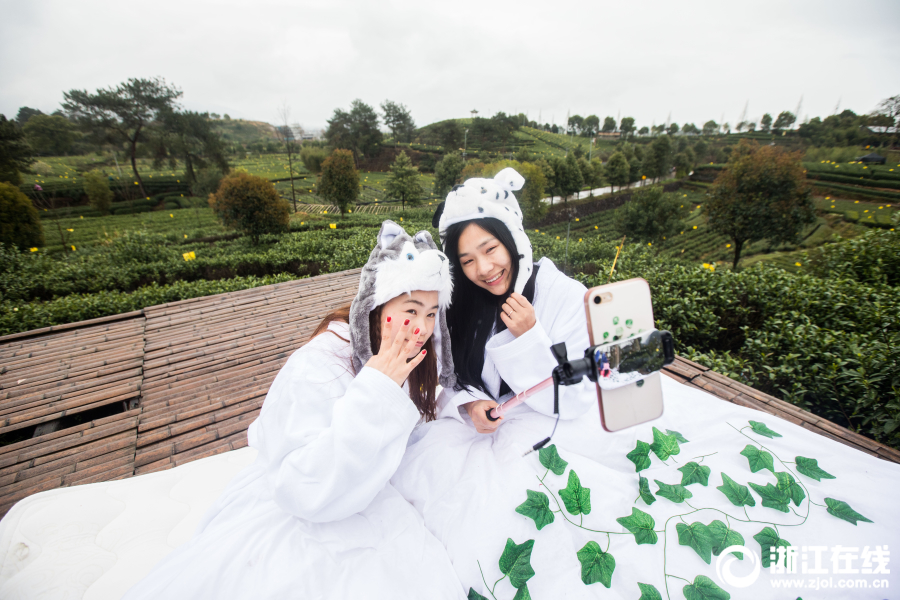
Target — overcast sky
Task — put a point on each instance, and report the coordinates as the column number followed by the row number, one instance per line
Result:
column 694, row 60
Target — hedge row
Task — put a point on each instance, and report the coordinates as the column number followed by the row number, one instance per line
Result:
column 860, row 181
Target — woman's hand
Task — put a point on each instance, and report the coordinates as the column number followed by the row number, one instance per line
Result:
column 477, row 410
column 392, row 355
column 518, row 314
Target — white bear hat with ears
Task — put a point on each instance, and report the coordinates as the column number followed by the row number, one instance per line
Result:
column 400, row 264
column 479, row 198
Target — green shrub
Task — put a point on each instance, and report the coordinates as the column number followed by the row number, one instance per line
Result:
column 207, row 183
column 872, row 258
column 251, row 205
column 852, row 216
column 313, row 158
column 20, row 224
column 652, row 215
column 96, row 186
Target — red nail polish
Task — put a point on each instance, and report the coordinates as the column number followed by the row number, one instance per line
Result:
column 389, row 319
column 416, row 331
column 406, row 322
column 424, row 352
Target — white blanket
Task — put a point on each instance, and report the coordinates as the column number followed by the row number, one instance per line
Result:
column 468, row 486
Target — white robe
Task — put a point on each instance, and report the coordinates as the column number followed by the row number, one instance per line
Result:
column 315, row 516
column 525, row 361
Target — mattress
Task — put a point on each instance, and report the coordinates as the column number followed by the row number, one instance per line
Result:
column 95, row 541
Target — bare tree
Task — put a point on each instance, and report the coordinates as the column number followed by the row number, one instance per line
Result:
column 286, row 134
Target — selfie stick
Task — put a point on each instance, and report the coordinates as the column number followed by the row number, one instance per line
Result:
column 567, row 373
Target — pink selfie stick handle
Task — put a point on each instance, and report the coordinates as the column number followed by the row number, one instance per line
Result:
column 498, row 411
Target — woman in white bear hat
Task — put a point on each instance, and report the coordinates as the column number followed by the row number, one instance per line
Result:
column 507, row 310
column 315, row 515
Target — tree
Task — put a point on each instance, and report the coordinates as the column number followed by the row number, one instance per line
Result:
column 784, row 121
column 188, row 136
column 403, row 182
column 448, row 134
column 575, row 124
column 651, row 215
column 398, row 120
column 567, row 178
column 617, row 169
column 285, row 133
column 15, row 154
column 765, row 124
column 96, row 186
column 658, row 160
column 702, row 150
column 609, row 125
column 710, row 127
column 356, row 130
column 591, row 125
column 673, row 129
column 123, row 114
column 626, row 126
column 761, row 194
column 339, row 182
column 20, row 225
column 531, row 198
column 447, row 173
column 591, row 172
column 50, row 135
column 690, row 128
column 684, row 161
column 644, row 130
column 25, row 114
column 251, row 205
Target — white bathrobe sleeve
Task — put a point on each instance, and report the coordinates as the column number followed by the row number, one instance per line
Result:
column 331, row 441
column 525, row 361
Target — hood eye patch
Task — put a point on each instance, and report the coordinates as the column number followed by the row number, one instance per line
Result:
column 410, row 256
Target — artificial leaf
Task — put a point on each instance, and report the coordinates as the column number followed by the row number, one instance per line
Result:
column 596, row 565
column 842, row 510
column 696, row 535
column 789, row 486
column 768, row 543
column 722, row 536
column 521, row 594
column 576, row 498
column 649, row 592
column 678, row 437
column 550, row 458
column 761, row 429
column 641, row 525
column 664, row 445
column 772, row 497
column 646, row 495
column 640, row 456
column 810, row 467
column 738, row 494
column 676, row 493
column 703, row 588
column 473, row 595
column 516, row 562
column 758, row 459
column 537, row 508
column 694, row 473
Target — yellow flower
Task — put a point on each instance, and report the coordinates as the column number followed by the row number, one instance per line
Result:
column 577, row 219
column 695, row 227
column 325, row 213
column 135, row 183
column 333, row 225
column 73, row 248
column 349, row 211
column 798, row 264
column 401, row 218
column 595, row 227
column 189, row 255
column 70, row 230
column 80, row 217
column 828, row 197
column 880, row 207
column 33, row 249
column 728, row 245
column 649, row 243
column 865, row 211
column 302, row 223
column 171, row 215
column 643, row 177
column 856, row 202
column 579, row 239
column 185, row 236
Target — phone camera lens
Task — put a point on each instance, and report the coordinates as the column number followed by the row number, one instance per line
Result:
column 597, row 299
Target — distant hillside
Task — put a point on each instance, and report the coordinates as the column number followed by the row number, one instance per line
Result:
column 244, row 132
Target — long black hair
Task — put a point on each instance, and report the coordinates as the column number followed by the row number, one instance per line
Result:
column 474, row 312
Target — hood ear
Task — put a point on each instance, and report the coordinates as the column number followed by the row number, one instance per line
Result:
column 424, row 237
column 389, row 232
column 509, row 179
column 436, row 218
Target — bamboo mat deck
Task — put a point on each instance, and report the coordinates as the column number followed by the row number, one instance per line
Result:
column 181, row 381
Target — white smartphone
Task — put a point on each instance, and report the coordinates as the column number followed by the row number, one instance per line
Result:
column 619, row 311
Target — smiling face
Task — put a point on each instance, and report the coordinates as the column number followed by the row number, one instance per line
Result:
column 421, row 308
column 484, row 260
